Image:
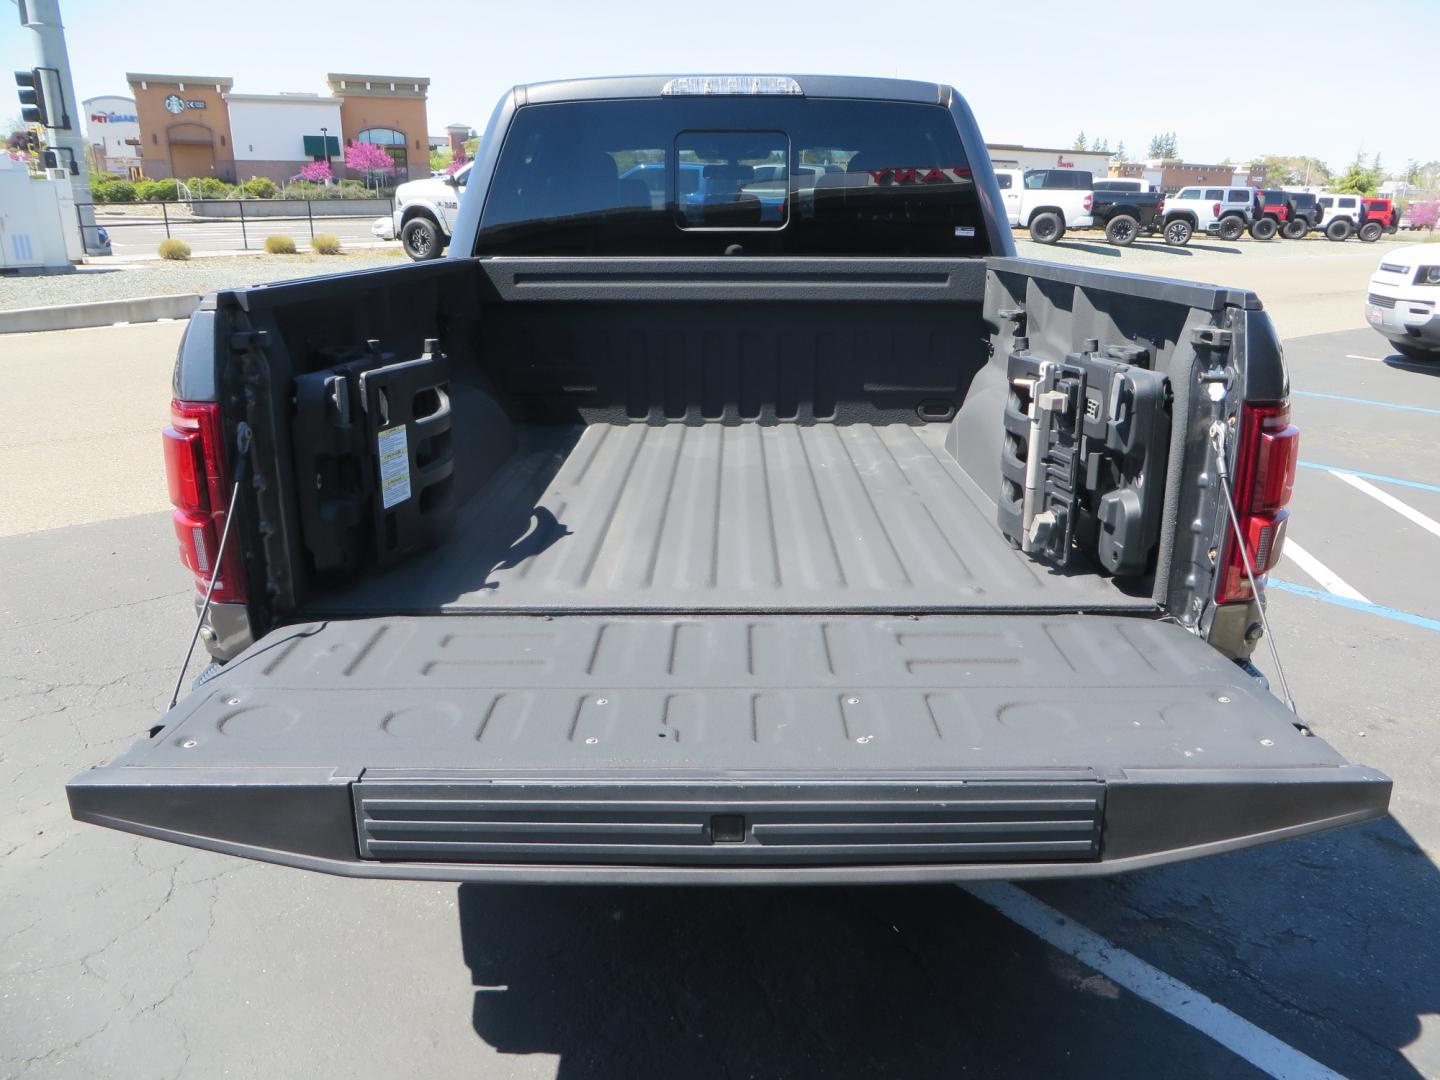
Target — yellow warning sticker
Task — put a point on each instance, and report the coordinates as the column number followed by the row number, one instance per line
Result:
column 394, row 466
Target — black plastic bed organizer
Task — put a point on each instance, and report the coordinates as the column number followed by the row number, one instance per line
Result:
column 1098, row 427
column 373, row 457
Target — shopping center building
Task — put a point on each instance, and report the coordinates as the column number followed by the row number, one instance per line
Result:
column 196, row 125
column 112, row 132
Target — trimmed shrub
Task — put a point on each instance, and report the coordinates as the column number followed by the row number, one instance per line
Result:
column 157, row 191
column 259, row 187
column 208, row 187
column 325, row 244
column 116, row 191
column 177, row 250
column 280, row 245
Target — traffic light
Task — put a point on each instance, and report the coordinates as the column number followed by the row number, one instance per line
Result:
column 32, row 97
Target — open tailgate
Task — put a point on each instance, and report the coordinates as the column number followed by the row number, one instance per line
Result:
column 728, row 748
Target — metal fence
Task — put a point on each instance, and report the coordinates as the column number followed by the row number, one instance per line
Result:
column 230, row 224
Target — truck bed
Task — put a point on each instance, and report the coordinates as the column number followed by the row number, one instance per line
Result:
column 860, row 517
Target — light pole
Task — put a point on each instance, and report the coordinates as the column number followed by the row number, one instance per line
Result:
column 325, row 143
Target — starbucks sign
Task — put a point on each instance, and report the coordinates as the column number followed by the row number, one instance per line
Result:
column 176, row 104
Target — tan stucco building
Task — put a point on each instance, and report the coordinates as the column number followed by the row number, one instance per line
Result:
column 184, row 125
column 187, row 128
column 389, row 111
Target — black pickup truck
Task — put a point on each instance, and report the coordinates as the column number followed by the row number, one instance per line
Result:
column 771, row 524
column 1125, row 212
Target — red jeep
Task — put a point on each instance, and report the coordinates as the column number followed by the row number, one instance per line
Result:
column 1378, row 216
column 1270, row 214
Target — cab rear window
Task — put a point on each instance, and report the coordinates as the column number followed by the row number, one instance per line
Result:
column 694, row 176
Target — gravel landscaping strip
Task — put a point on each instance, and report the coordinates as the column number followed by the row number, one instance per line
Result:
column 121, row 282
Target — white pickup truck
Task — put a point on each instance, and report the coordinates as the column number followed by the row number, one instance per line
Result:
column 1047, row 201
column 424, row 214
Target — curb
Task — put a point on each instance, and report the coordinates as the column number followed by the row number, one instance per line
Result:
column 100, row 313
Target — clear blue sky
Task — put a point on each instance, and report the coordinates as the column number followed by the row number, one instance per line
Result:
column 1035, row 72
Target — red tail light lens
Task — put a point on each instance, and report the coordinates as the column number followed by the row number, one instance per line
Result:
column 1264, row 479
column 1089, row 202
column 199, row 491
column 1215, row 209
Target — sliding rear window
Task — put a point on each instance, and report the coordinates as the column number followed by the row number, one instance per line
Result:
column 702, row 176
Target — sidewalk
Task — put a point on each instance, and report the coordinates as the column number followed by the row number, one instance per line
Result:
column 110, row 286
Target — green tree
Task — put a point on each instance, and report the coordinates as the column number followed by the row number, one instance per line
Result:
column 1359, row 179
column 440, row 160
column 1284, row 169
column 1079, row 143
column 1120, row 157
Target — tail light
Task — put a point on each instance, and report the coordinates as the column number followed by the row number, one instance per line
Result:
column 1160, row 207
column 1089, row 202
column 1264, row 477
column 200, row 492
column 1215, row 210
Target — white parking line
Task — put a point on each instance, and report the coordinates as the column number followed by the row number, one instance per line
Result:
column 1187, row 1005
column 1429, row 524
column 1352, row 356
column 1327, row 578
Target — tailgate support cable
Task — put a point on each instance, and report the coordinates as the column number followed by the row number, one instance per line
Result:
column 1217, row 439
column 243, row 440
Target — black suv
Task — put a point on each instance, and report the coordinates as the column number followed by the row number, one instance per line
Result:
column 1305, row 214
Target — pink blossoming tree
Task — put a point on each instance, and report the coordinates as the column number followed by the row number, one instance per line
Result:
column 1425, row 215
column 317, row 172
column 369, row 159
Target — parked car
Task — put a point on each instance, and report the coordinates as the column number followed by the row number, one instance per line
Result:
column 688, row 549
column 1125, row 213
column 424, row 213
column 1047, row 201
column 1305, row 214
column 1340, row 214
column 1123, row 183
column 1403, row 302
column 1221, row 211
column 1380, row 217
column 1271, row 214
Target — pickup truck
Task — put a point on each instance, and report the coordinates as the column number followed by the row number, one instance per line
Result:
column 1124, row 211
column 424, row 214
column 628, row 544
column 1047, row 201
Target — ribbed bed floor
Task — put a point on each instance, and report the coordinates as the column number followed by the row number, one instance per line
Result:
column 750, row 517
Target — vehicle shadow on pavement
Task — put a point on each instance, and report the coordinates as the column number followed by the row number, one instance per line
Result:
column 1109, row 250
column 789, row 982
column 1419, row 367
column 1330, row 943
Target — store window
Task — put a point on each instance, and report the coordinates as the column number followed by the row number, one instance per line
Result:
column 389, row 140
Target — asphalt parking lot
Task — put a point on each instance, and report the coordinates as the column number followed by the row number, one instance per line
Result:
column 122, row 957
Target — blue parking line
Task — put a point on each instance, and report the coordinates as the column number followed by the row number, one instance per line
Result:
column 1356, row 605
column 1365, row 401
column 1418, row 485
